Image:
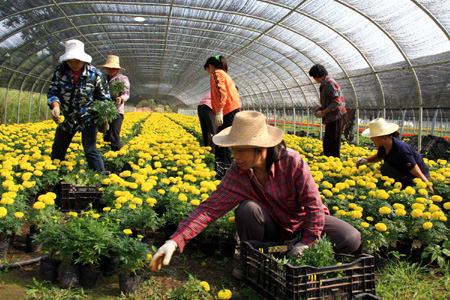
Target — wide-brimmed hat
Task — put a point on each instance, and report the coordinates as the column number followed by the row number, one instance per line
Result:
column 75, row 50
column 112, row 62
column 249, row 129
column 379, row 127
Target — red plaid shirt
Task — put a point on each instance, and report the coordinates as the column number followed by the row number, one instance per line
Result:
column 289, row 195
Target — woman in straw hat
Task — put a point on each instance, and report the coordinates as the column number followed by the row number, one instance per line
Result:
column 75, row 85
column 113, row 67
column 273, row 188
column 401, row 161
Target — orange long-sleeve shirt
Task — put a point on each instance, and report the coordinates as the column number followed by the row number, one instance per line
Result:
column 223, row 92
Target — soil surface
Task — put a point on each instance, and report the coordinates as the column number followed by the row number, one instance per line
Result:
column 214, row 269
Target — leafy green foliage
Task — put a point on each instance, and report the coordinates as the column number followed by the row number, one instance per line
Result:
column 117, row 87
column 319, row 255
column 440, row 254
column 106, row 111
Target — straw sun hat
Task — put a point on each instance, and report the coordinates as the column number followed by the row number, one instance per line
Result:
column 379, row 127
column 75, row 50
column 112, row 62
column 249, row 129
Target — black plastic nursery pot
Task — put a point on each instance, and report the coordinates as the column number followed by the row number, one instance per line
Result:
column 4, row 246
column 109, row 265
column 69, row 276
column 88, row 276
column 227, row 247
column 48, row 270
column 129, row 283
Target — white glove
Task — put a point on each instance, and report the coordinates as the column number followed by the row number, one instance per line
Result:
column 55, row 114
column 361, row 161
column 297, row 250
column 318, row 114
column 219, row 118
column 163, row 255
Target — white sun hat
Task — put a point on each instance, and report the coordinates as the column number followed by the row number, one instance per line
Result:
column 379, row 127
column 249, row 129
column 75, row 50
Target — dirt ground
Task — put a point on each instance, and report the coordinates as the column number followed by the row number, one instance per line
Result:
column 216, row 270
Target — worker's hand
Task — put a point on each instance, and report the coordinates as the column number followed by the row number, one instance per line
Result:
column 219, row 118
column 163, row 255
column 119, row 101
column 318, row 114
column 55, row 114
column 297, row 250
column 361, row 161
column 103, row 128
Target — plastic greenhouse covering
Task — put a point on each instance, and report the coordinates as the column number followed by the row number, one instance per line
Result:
column 390, row 57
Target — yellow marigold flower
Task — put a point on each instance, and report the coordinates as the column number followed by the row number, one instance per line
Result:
column 231, row 219
column 383, row 195
column 421, row 200
column 418, row 206
column 95, row 216
column 195, row 202
column 398, row 206
column 341, row 212
column 384, row 210
column 335, row 190
column 443, row 219
column 225, row 294
column 107, row 208
column 158, row 164
column 341, row 197
column 372, row 193
column 38, row 173
column 182, row 197
column 132, row 206
column 433, row 208
column 423, row 192
column 18, row 215
column 436, row 198
column 400, row 212
column 370, row 219
column 127, row 231
column 335, row 208
column 205, row 286
column 398, row 185
column 350, row 197
column 416, row 213
column 437, row 215
column 365, row 225
column 352, row 205
column 356, row 214
column 327, row 193
column 380, row 227
column 447, row 205
column 426, row 215
column 409, row 190
column 3, row 212
column 161, row 191
column 149, row 257
column 421, row 184
column 427, row 225
column 362, row 197
column 151, row 201
column 73, row 214
column 39, row 205
column 137, row 201
column 371, row 185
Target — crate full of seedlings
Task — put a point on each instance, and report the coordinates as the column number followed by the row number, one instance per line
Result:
column 317, row 274
column 79, row 198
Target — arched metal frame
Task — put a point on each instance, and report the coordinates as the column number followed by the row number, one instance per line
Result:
column 241, row 45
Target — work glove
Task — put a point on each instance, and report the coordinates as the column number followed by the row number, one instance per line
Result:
column 103, row 128
column 297, row 250
column 361, row 161
column 318, row 114
column 55, row 114
column 219, row 118
column 163, row 255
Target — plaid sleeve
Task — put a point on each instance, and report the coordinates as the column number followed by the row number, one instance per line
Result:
column 224, row 199
column 310, row 199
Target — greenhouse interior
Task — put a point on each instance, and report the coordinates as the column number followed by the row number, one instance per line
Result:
column 390, row 58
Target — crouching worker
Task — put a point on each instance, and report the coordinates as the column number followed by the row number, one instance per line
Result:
column 272, row 186
column 401, row 161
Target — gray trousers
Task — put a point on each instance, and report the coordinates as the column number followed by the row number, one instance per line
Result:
column 254, row 223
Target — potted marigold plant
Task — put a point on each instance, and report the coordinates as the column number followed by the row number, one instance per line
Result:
column 11, row 220
column 133, row 256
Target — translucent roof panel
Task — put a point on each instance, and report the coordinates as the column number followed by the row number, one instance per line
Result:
column 383, row 53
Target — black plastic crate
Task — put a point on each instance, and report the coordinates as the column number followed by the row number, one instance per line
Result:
column 273, row 280
column 79, row 198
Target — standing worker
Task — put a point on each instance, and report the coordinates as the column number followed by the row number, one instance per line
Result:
column 331, row 111
column 207, row 121
column 74, row 87
column 113, row 67
column 224, row 100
